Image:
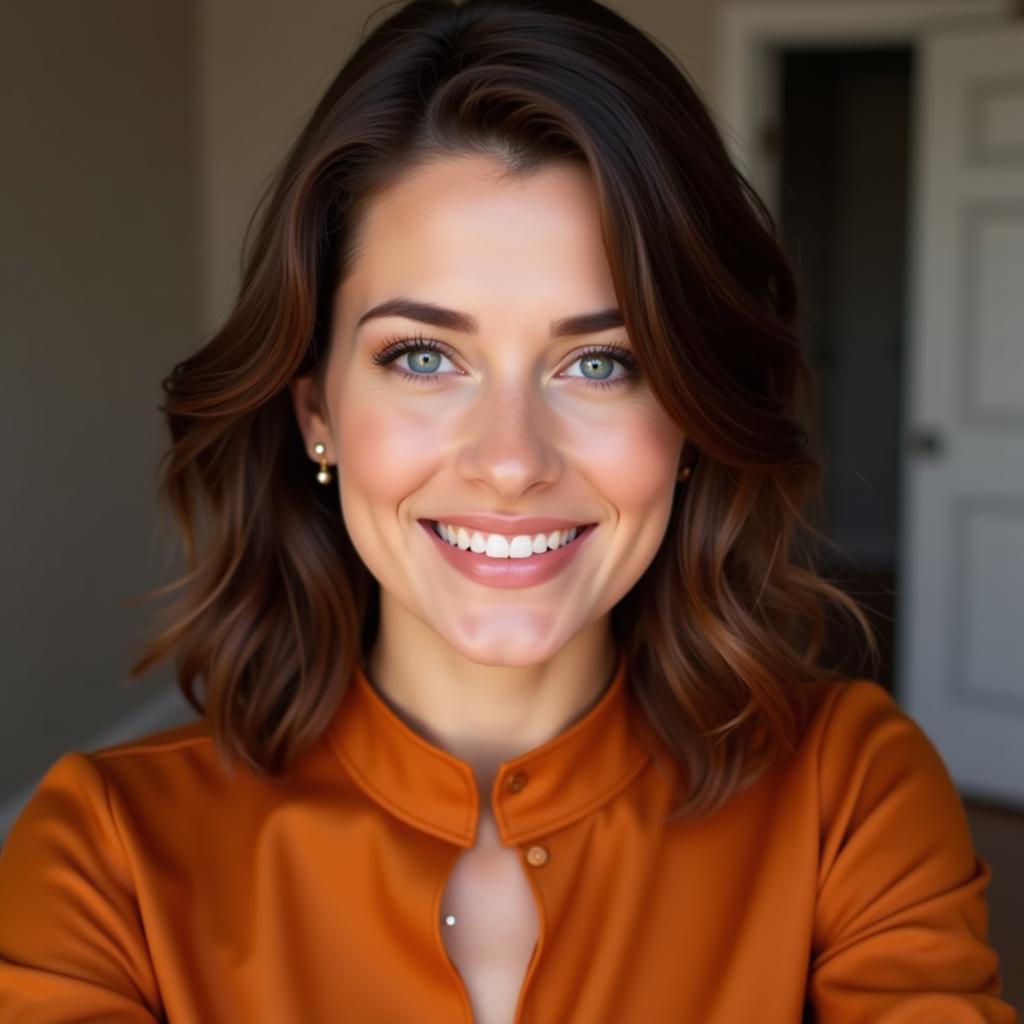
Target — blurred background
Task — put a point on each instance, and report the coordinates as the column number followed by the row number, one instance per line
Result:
column 886, row 136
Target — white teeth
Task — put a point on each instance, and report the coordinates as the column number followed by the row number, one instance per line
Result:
column 496, row 545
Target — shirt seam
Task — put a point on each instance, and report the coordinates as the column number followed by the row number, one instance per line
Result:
column 826, row 725
column 123, row 850
column 149, row 748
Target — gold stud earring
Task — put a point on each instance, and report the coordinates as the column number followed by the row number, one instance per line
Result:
column 684, row 474
column 324, row 475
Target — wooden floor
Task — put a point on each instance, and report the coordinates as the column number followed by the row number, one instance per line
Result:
column 999, row 838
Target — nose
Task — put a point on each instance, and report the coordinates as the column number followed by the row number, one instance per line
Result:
column 511, row 442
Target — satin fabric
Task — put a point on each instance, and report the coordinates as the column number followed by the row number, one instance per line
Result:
column 145, row 882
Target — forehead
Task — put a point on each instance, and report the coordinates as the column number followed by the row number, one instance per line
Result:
column 451, row 232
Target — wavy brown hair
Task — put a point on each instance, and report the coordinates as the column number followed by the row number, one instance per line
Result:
column 725, row 630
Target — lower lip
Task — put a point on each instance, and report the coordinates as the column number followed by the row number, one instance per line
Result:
column 509, row 572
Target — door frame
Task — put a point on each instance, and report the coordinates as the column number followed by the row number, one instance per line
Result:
column 749, row 35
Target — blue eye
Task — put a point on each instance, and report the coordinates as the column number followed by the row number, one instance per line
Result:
column 428, row 353
column 607, row 357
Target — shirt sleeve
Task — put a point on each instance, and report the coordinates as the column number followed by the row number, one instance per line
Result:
column 901, row 926
column 72, row 946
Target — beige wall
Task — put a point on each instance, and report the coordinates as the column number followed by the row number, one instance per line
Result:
column 98, row 295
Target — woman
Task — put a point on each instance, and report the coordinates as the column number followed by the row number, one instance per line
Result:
column 492, row 488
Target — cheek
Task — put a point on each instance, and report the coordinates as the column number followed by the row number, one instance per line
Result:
column 634, row 463
column 382, row 459
column 385, row 450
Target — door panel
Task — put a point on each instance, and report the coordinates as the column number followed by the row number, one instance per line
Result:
column 961, row 672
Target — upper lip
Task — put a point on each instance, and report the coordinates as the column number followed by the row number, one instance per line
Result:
column 510, row 525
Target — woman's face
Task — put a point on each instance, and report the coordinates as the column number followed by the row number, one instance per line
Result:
column 503, row 416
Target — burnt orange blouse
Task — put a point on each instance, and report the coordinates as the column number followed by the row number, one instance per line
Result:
column 145, row 882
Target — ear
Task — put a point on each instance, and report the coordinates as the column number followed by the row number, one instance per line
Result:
column 308, row 413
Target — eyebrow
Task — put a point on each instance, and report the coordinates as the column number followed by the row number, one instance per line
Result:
column 452, row 320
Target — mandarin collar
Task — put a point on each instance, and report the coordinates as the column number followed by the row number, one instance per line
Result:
column 548, row 787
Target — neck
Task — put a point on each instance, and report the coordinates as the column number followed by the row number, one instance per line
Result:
column 486, row 714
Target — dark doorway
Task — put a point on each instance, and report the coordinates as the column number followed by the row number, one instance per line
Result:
column 844, row 139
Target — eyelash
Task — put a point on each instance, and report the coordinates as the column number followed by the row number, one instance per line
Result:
column 399, row 345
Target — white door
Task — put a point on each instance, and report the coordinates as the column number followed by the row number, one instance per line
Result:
column 961, row 613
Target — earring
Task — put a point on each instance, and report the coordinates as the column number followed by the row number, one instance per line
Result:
column 324, row 475
column 684, row 474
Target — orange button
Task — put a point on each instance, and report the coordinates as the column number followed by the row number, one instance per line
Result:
column 515, row 782
column 537, row 856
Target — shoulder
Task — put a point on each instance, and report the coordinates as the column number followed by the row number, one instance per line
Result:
column 94, row 791
column 889, row 812
column 867, row 750
column 854, row 705
column 103, row 812
column 895, row 862
column 160, row 763
column 168, row 749
column 859, row 763
column 97, row 827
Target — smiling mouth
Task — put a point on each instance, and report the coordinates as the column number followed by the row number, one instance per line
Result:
column 502, row 547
